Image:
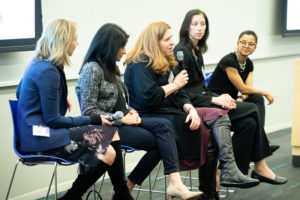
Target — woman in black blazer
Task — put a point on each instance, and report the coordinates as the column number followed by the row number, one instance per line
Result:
column 42, row 95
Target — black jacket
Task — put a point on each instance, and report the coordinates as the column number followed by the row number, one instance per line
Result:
column 195, row 88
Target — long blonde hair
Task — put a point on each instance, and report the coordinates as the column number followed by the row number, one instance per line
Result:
column 55, row 41
column 148, row 44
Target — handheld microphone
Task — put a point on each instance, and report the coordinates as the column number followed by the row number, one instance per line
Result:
column 180, row 57
column 117, row 115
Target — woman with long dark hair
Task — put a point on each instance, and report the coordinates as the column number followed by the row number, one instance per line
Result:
column 101, row 91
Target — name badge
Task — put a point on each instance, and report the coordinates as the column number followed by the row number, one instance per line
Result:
column 43, row 131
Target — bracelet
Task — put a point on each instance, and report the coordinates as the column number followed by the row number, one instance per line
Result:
column 241, row 97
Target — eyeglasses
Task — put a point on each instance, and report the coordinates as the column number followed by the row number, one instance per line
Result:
column 250, row 44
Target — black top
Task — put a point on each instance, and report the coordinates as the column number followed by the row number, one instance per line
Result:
column 195, row 88
column 220, row 82
column 146, row 93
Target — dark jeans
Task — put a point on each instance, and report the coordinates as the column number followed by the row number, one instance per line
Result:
column 154, row 135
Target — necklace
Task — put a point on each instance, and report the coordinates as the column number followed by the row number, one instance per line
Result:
column 242, row 65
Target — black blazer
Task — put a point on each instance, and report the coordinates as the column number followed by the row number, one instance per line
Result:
column 195, row 88
column 146, row 93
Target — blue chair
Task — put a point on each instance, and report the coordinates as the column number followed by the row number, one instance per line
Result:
column 32, row 159
column 208, row 76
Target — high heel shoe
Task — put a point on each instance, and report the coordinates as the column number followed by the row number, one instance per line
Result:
column 173, row 192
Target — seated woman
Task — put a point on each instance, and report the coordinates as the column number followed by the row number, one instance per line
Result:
column 156, row 91
column 101, row 91
column 233, row 74
column 42, row 95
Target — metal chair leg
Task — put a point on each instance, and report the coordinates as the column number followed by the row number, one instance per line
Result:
column 158, row 170
column 150, row 188
column 165, row 187
column 53, row 175
column 55, row 182
column 12, row 178
column 190, row 174
column 100, row 187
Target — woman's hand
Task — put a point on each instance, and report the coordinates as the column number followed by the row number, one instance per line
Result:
column 105, row 121
column 269, row 97
column 181, row 79
column 195, row 119
column 132, row 118
column 225, row 101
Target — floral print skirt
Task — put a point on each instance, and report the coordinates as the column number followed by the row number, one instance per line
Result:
column 88, row 146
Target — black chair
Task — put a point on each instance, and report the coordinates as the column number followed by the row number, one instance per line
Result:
column 30, row 159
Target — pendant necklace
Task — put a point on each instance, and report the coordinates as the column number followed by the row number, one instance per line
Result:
column 242, row 65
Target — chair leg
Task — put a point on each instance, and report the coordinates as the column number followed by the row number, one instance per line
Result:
column 53, row 175
column 165, row 187
column 150, row 188
column 156, row 176
column 12, row 178
column 55, row 182
column 100, row 187
column 190, row 176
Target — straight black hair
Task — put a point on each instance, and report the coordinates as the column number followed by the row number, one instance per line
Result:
column 107, row 42
column 184, row 31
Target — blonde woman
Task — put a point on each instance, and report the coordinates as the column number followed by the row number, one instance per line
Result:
column 42, row 95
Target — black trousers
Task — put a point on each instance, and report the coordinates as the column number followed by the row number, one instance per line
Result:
column 258, row 100
column 250, row 142
column 154, row 135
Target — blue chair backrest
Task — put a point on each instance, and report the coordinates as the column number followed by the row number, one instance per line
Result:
column 208, row 76
column 14, row 108
column 79, row 99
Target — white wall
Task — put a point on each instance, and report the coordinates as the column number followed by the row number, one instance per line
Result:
column 273, row 61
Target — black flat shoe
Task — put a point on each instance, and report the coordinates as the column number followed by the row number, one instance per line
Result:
column 274, row 148
column 277, row 181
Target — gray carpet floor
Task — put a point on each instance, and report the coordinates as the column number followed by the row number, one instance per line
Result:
column 280, row 163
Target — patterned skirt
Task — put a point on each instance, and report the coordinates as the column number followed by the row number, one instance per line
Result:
column 88, row 146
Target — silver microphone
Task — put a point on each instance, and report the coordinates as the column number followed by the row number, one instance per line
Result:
column 180, row 57
column 117, row 115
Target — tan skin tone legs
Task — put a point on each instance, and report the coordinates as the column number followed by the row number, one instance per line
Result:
column 110, row 154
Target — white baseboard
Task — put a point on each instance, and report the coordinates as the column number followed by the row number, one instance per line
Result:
column 278, row 127
column 39, row 193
